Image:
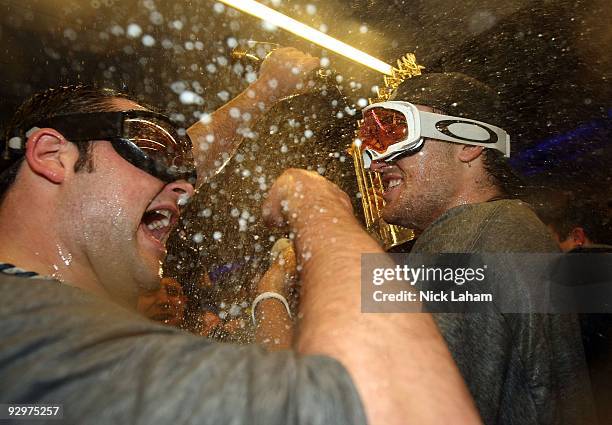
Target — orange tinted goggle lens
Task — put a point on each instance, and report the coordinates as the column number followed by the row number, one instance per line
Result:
column 382, row 128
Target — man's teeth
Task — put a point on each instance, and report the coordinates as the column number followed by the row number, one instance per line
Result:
column 394, row 182
column 159, row 224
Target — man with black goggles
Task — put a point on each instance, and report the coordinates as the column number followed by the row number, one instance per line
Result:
column 90, row 196
column 146, row 139
column 440, row 150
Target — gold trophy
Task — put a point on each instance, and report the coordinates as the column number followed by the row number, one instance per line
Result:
column 370, row 183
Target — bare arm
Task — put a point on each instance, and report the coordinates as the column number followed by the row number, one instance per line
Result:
column 216, row 138
column 400, row 363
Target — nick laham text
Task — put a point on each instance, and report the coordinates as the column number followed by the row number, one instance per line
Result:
column 431, row 296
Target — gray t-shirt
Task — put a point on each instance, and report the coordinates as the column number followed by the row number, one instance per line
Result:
column 106, row 364
column 520, row 368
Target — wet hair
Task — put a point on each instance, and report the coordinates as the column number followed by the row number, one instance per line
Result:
column 589, row 215
column 460, row 95
column 44, row 105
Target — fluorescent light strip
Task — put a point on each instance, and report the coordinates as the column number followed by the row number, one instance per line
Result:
column 278, row 19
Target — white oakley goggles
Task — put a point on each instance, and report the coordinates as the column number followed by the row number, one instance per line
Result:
column 391, row 129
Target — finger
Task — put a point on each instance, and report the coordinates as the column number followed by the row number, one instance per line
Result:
column 272, row 209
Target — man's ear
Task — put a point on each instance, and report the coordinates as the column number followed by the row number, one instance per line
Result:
column 468, row 153
column 46, row 154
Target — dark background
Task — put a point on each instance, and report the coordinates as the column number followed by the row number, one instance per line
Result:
column 549, row 59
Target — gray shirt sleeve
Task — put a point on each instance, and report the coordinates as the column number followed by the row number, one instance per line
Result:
column 108, row 365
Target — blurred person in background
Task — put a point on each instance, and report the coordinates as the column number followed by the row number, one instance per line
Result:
column 165, row 304
column 582, row 226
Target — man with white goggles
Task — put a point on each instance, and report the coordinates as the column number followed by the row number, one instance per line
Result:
column 392, row 129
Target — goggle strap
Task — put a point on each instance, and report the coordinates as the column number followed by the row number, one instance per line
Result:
column 465, row 131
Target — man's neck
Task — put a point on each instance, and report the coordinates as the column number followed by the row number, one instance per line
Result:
column 475, row 195
column 468, row 194
column 33, row 244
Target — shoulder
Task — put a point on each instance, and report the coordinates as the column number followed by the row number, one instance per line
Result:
column 498, row 226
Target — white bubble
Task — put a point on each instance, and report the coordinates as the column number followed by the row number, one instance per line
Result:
column 206, row 212
column 190, row 98
column 148, row 40
column 15, row 142
column 134, row 31
column 363, row 29
column 70, row 34
column 235, row 212
column 206, row 118
column 284, row 149
column 362, row 102
column 273, row 83
column 223, row 95
column 198, row 238
column 217, row 235
column 156, row 18
column 234, row 112
column 117, row 30
column 232, row 42
column 308, row 134
column 234, row 310
column 251, row 77
column 177, row 24
column 311, row 9
column 323, row 28
column 31, row 131
column 219, row 7
column 211, row 68
column 324, row 62
column 221, row 60
column 268, row 26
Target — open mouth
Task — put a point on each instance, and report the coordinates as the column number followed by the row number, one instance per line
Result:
column 390, row 182
column 157, row 223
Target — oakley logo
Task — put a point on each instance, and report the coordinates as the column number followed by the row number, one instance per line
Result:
column 468, row 131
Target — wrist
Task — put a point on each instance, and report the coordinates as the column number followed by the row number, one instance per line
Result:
column 261, row 91
column 270, row 295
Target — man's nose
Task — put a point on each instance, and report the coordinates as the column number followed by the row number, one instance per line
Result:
column 377, row 166
column 181, row 191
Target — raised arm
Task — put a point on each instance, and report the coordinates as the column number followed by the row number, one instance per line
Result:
column 400, row 363
column 283, row 73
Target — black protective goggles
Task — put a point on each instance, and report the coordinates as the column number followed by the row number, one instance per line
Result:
column 145, row 139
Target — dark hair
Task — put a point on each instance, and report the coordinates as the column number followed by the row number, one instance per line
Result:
column 43, row 105
column 460, row 95
column 589, row 215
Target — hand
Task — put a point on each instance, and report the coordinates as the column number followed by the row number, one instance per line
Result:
column 283, row 73
column 299, row 198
